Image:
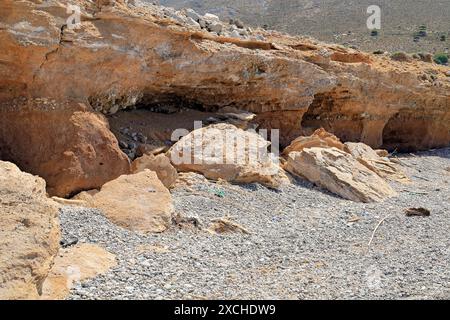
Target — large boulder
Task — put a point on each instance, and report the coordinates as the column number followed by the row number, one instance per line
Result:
column 29, row 233
column 340, row 173
column 222, row 151
column 380, row 165
column 139, row 202
column 66, row 144
column 159, row 164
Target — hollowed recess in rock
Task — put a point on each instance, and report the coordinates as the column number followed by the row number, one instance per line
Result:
column 154, row 121
column 405, row 132
column 324, row 113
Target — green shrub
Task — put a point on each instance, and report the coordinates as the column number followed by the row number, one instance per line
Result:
column 374, row 33
column 443, row 38
column 441, row 58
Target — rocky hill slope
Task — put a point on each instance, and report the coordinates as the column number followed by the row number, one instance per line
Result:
column 341, row 21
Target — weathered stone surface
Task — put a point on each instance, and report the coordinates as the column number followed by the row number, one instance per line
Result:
column 139, row 202
column 29, row 233
column 381, row 166
column 360, row 150
column 223, row 151
column 159, row 164
column 85, row 196
column 82, row 262
column 121, row 54
column 66, row 144
column 320, row 139
column 340, row 173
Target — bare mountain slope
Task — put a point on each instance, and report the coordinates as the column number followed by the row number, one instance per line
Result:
column 331, row 20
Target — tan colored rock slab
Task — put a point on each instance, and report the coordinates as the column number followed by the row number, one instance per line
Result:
column 340, row 173
column 139, row 202
column 159, row 164
column 29, row 233
column 82, row 262
column 380, row 165
column 320, row 138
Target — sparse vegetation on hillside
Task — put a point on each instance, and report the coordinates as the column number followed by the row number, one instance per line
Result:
column 441, row 58
column 400, row 56
column 331, row 20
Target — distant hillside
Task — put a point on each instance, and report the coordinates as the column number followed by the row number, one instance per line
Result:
column 341, row 21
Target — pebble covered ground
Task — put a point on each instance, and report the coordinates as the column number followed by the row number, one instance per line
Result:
column 304, row 243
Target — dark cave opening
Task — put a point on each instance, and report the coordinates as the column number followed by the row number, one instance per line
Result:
column 326, row 111
column 404, row 132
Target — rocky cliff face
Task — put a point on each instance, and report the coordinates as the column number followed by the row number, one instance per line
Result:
column 125, row 54
column 29, row 233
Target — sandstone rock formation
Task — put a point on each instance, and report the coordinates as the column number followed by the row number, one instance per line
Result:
column 159, row 164
column 139, row 202
column 319, row 139
column 29, row 233
column 381, row 166
column 68, row 145
column 75, row 264
column 85, row 196
column 123, row 54
column 223, row 151
column 340, row 173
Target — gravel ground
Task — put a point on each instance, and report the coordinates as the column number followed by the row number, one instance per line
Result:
column 303, row 244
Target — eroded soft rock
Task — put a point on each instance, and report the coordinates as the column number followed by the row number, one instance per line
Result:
column 29, row 233
column 320, row 139
column 159, row 164
column 139, row 202
column 74, row 264
column 66, row 144
column 222, row 151
column 121, row 54
column 340, row 173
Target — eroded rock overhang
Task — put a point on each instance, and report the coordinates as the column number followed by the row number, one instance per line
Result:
column 122, row 55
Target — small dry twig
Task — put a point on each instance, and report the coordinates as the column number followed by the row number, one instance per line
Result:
column 375, row 230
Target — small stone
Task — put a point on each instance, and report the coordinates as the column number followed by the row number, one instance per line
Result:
column 141, row 138
column 243, row 32
column 211, row 17
column 192, row 22
column 238, row 23
column 417, row 212
column 202, row 23
column 215, row 27
column 190, row 13
column 235, row 34
column 123, row 144
column 260, row 37
column 71, row 241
